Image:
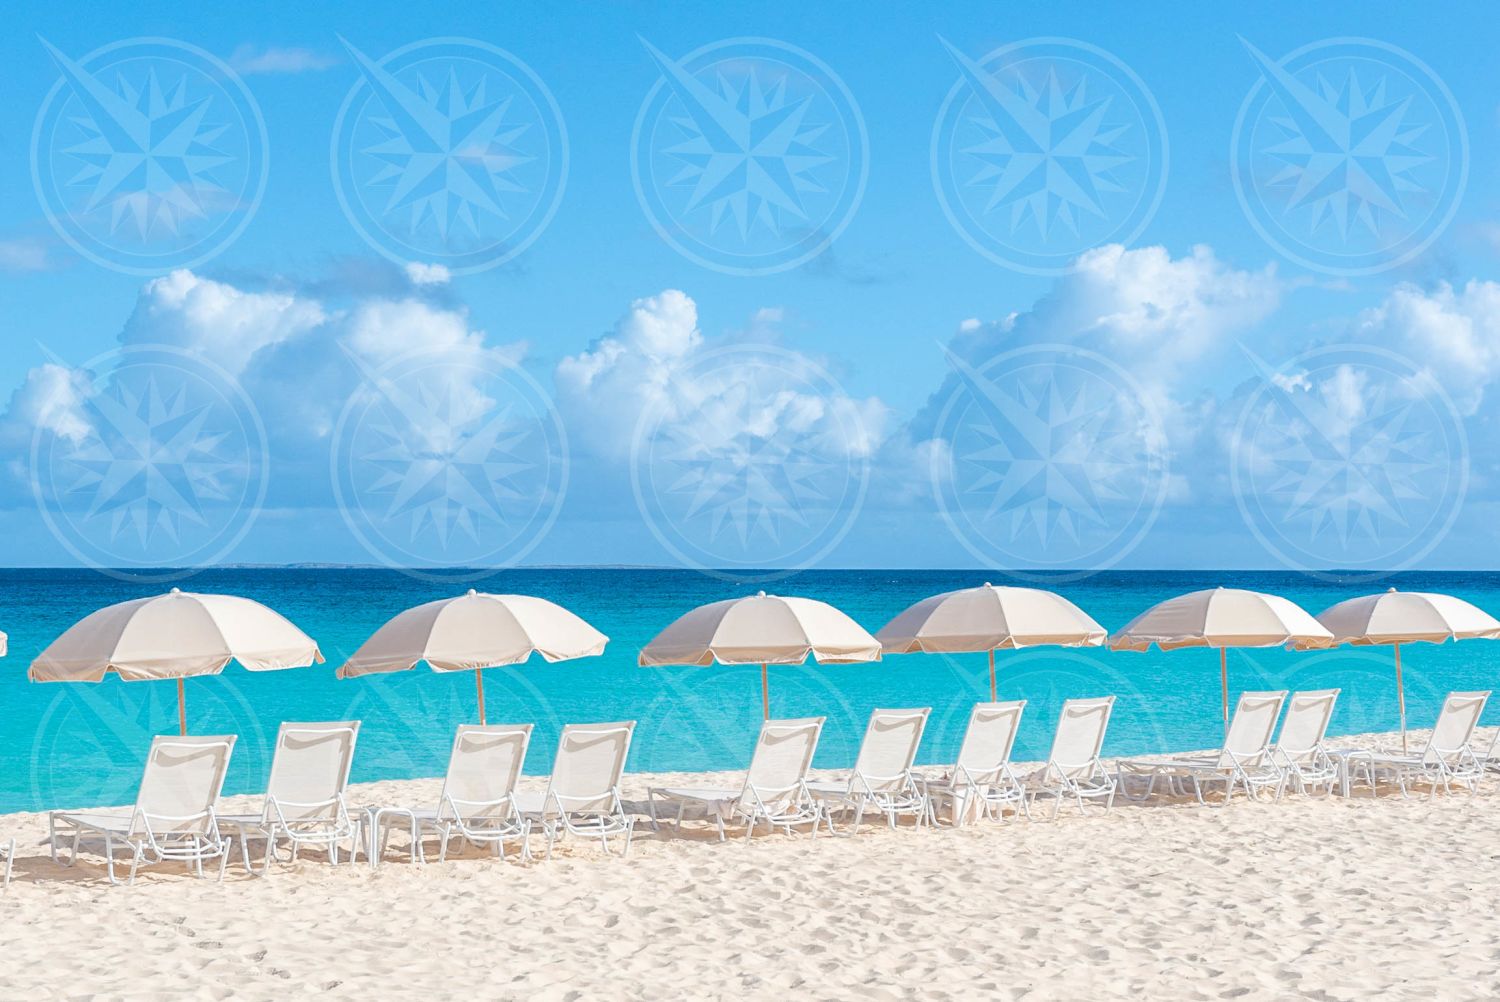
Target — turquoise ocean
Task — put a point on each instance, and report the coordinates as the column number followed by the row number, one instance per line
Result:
column 83, row 744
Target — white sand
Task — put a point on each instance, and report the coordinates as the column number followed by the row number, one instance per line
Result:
column 1323, row 899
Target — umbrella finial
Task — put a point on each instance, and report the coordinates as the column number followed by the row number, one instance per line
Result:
column 176, row 591
column 988, row 585
column 472, row 593
column 760, row 594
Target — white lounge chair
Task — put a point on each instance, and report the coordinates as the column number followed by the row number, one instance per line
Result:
column 1447, row 759
column 478, row 798
column 173, row 817
column 583, row 794
column 1490, row 760
column 882, row 777
column 8, row 850
column 1073, row 768
column 304, row 802
column 775, row 788
column 1244, row 761
column 1299, row 753
column 981, row 779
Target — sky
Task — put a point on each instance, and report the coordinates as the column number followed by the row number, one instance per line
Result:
column 1044, row 289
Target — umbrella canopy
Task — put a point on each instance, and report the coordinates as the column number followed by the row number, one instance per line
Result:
column 473, row 632
column 1403, row 617
column 176, row 635
column 764, row 630
column 1222, row 618
column 989, row 618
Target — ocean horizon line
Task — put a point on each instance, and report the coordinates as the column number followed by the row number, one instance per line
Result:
column 1030, row 573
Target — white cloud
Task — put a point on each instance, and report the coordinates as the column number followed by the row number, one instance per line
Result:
column 227, row 324
column 656, row 358
column 51, row 400
column 1144, row 307
column 1157, row 317
column 420, row 273
column 297, row 358
column 1453, row 334
column 249, row 60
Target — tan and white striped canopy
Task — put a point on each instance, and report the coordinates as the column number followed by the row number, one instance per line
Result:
column 1404, row 617
column 475, row 631
column 989, row 618
column 762, row 629
column 1222, row 617
column 176, row 635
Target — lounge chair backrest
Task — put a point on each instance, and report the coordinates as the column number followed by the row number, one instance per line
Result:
column 310, row 769
column 1080, row 735
column 483, row 766
column 1306, row 724
column 989, row 739
column 590, row 759
column 181, row 783
column 1455, row 725
column 782, row 756
column 1251, row 727
column 889, row 748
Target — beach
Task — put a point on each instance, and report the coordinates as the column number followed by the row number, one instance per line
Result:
column 1308, row 898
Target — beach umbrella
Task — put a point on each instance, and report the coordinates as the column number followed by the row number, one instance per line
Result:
column 1222, row 618
column 988, row 619
column 764, row 630
column 473, row 632
column 3, row 642
column 1403, row 617
column 177, row 635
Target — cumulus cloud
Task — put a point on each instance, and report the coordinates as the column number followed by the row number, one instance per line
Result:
column 49, row 401
column 227, row 324
column 1158, row 317
column 297, row 357
column 1454, row 334
column 657, row 361
column 1150, row 313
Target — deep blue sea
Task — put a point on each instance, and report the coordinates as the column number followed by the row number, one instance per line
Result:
column 82, row 745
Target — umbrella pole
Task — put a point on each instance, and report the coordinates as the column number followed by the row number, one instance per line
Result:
column 181, row 710
column 992, row 675
column 765, row 695
column 1400, row 697
column 1224, row 687
column 479, row 685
